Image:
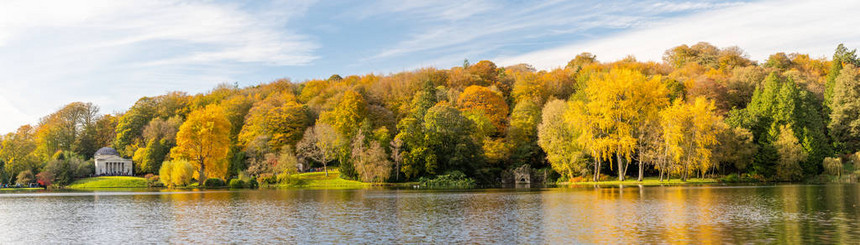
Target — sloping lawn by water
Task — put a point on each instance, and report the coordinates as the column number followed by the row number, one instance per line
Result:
column 21, row 189
column 319, row 180
column 109, row 182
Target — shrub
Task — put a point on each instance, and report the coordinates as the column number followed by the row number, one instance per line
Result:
column 176, row 173
column 453, row 179
column 25, row 177
column 578, row 179
column 247, row 181
column 213, row 182
column 285, row 178
column 833, row 166
column 153, row 180
column 267, row 178
column 66, row 169
column 237, row 183
column 731, row 178
column 45, row 179
column 252, row 183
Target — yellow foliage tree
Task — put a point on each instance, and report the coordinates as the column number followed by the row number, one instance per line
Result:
column 176, row 173
column 279, row 118
column 619, row 102
column 558, row 137
column 690, row 132
column 204, row 139
column 347, row 114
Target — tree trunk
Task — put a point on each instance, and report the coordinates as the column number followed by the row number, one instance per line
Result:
column 597, row 170
column 641, row 171
column 626, row 167
column 397, row 172
column 620, row 167
column 201, row 173
column 684, row 174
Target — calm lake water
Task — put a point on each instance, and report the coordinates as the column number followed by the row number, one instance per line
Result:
column 689, row 214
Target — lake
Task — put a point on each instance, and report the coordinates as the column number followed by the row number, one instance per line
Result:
column 678, row 214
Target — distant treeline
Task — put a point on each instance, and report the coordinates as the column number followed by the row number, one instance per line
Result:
column 703, row 111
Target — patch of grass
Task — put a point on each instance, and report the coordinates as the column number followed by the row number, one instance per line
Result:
column 109, row 182
column 21, row 189
column 320, row 180
column 650, row 181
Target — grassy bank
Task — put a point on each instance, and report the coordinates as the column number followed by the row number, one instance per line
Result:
column 320, row 180
column 21, row 189
column 109, row 182
column 651, row 181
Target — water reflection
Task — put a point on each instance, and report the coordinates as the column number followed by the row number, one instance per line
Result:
column 629, row 214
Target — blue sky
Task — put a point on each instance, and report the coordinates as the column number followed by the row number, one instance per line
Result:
column 113, row 52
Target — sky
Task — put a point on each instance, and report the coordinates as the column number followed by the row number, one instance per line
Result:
column 112, row 52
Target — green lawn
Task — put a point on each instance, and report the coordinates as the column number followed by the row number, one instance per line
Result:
column 319, row 180
column 650, row 181
column 22, row 189
column 109, row 182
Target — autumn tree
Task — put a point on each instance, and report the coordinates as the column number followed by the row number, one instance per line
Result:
column 841, row 57
column 416, row 151
column 690, row 131
column 737, row 148
column 791, row 153
column 741, row 85
column 105, row 130
column 447, row 136
column 529, row 86
column 396, row 147
column 581, row 60
column 320, row 144
column 618, row 104
column 130, row 125
column 278, row 118
column 833, row 166
column 24, row 177
column 523, row 132
column 69, row 129
column 845, row 110
column 67, row 168
column 160, row 137
column 487, row 102
column 176, row 173
column 733, row 57
column 778, row 61
column 204, row 140
column 701, row 53
column 371, row 160
column 347, row 115
column 559, row 138
column 17, row 151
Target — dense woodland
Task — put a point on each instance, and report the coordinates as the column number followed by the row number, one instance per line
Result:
column 702, row 112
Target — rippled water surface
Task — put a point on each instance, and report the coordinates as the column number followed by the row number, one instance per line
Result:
column 690, row 214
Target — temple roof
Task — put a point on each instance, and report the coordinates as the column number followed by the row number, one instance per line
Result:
column 107, row 151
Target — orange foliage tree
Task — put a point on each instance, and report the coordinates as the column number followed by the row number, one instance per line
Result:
column 485, row 101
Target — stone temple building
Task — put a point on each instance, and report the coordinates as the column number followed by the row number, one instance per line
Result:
column 109, row 162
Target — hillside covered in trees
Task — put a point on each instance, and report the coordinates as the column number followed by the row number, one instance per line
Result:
column 703, row 111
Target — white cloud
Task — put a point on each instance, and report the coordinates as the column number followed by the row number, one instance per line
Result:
column 426, row 10
column 763, row 28
column 113, row 52
column 500, row 27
